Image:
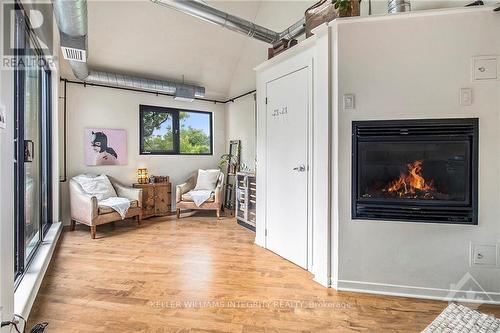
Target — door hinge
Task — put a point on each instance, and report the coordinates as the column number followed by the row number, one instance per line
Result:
column 265, row 232
column 266, row 100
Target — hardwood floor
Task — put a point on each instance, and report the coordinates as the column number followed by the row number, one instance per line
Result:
column 198, row 274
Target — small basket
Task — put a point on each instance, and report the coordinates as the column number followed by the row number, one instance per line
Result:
column 161, row 179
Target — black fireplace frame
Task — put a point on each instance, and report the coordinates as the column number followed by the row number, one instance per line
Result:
column 417, row 210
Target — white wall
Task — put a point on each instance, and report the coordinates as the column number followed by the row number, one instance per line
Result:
column 421, row 62
column 118, row 109
column 240, row 125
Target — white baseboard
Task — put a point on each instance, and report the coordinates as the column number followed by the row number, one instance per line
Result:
column 322, row 280
column 259, row 243
column 447, row 295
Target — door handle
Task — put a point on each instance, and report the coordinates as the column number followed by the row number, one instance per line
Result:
column 29, row 151
column 300, row 168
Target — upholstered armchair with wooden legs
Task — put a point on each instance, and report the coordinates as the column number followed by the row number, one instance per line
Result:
column 184, row 200
column 86, row 210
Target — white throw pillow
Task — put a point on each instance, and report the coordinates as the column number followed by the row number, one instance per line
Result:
column 207, row 179
column 98, row 186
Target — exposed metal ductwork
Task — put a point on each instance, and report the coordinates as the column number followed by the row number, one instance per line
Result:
column 398, row 6
column 295, row 30
column 71, row 17
column 201, row 10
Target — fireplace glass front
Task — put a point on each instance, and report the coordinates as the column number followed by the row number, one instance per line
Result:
column 415, row 170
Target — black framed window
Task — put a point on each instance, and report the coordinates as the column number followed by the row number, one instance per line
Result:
column 33, row 196
column 169, row 131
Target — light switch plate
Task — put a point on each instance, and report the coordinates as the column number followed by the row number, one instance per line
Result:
column 349, row 102
column 465, row 96
column 484, row 255
column 3, row 120
column 484, row 68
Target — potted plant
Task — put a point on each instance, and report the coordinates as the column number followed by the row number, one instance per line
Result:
column 347, row 8
column 229, row 162
column 328, row 10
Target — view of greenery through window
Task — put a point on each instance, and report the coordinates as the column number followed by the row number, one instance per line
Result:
column 158, row 132
column 194, row 133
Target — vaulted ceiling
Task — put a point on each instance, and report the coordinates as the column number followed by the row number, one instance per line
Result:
column 141, row 38
column 145, row 39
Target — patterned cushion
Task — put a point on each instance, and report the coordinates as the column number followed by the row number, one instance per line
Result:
column 458, row 318
column 106, row 210
column 187, row 197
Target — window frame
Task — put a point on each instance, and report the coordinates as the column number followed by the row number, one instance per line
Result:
column 176, row 130
column 23, row 34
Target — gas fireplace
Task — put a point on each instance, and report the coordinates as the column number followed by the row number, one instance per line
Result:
column 415, row 170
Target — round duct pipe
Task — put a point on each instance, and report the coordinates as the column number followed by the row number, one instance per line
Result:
column 398, row 6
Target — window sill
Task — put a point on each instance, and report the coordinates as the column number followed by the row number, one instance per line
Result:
column 26, row 291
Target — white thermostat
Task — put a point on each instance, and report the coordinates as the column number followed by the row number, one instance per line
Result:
column 484, row 68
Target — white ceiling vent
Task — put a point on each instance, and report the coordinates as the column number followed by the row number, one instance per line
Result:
column 73, row 54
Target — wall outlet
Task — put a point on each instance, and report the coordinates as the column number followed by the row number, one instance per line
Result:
column 349, row 103
column 484, row 255
column 465, row 96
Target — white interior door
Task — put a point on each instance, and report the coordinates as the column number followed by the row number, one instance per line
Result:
column 287, row 169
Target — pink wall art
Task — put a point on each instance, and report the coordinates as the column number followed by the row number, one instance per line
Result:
column 105, row 146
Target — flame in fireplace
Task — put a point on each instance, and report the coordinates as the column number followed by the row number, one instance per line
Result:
column 411, row 183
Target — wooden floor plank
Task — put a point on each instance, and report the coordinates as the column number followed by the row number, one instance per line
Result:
column 199, row 274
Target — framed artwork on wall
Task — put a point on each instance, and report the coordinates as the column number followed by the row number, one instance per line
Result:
column 104, row 146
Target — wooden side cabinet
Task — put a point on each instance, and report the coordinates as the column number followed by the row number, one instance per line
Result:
column 156, row 199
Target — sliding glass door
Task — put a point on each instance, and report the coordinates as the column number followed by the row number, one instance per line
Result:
column 32, row 140
column 32, row 166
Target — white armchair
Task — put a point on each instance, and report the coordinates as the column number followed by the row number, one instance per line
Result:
column 86, row 210
column 184, row 200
